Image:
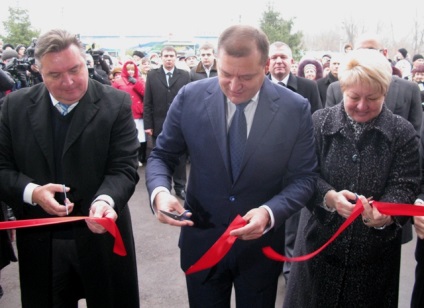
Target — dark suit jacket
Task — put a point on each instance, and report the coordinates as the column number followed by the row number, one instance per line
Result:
column 403, row 98
column 158, row 96
column 99, row 157
column 323, row 85
column 307, row 88
column 278, row 169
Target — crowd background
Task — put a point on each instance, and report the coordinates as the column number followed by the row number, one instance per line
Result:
column 19, row 71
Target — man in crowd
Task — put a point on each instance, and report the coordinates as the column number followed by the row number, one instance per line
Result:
column 280, row 62
column 162, row 85
column 207, row 66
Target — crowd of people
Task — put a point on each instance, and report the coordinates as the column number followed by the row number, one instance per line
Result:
column 343, row 127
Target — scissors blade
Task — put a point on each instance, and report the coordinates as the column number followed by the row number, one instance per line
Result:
column 175, row 216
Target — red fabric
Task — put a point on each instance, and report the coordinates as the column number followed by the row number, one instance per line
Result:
column 392, row 209
column 107, row 223
column 219, row 249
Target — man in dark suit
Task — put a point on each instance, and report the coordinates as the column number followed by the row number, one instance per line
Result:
column 162, row 85
column 276, row 175
column 92, row 149
column 331, row 77
column 280, row 61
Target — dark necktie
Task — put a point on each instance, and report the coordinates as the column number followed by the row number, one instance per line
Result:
column 237, row 136
column 168, row 76
column 63, row 108
column 281, row 83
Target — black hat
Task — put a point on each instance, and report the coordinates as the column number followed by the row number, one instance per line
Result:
column 8, row 45
column 403, row 51
column 139, row 53
column 416, row 57
column 8, row 54
column 19, row 47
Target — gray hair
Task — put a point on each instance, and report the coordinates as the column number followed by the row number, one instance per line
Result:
column 55, row 40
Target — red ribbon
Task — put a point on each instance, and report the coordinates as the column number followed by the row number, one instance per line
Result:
column 106, row 223
column 219, row 249
column 392, row 209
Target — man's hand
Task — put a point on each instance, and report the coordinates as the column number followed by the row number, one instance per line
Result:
column 149, row 132
column 257, row 221
column 166, row 202
column 44, row 197
column 100, row 209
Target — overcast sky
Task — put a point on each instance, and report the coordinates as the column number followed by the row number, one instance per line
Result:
column 195, row 17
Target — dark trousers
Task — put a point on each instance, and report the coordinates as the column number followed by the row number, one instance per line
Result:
column 291, row 225
column 216, row 290
column 67, row 285
column 417, row 300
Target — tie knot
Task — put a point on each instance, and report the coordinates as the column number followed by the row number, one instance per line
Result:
column 281, row 83
column 241, row 106
column 169, row 74
column 63, row 108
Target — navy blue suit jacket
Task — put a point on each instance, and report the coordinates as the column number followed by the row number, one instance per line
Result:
column 278, row 168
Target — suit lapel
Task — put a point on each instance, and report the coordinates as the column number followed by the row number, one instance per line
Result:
column 43, row 130
column 216, row 108
column 84, row 112
column 264, row 115
column 392, row 94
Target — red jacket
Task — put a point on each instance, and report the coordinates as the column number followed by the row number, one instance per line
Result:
column 135, row 90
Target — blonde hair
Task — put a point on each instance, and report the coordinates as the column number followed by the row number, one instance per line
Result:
column 365, row 66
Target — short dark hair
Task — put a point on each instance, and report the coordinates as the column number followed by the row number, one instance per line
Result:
column 168, row 48
column 237, row 42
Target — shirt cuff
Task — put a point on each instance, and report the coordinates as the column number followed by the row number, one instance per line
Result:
column 419, row 201
column 154, row 194
column 105, row 198
column 271, row 217
column 28, row 191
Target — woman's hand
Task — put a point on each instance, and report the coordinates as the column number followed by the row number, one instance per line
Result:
column 371, row 217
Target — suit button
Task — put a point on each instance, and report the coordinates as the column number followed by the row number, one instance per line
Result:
column 355, row 158
column 232, row 198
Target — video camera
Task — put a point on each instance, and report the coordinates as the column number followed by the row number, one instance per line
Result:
column 19, row 65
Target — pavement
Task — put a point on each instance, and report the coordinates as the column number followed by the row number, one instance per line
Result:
column 161, row 281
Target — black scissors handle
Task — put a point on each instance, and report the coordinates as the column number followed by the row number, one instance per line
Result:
column 176, row 216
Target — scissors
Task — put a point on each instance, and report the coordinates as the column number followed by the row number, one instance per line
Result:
column 176, row 216
column 66, row 203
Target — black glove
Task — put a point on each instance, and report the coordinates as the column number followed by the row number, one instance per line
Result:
column 132, row 80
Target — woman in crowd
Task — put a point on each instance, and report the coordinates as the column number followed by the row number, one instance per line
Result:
column 133, row 84
column 310, row 69
column 366, row 152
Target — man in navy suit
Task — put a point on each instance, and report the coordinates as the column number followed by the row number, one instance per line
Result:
column 276, row 177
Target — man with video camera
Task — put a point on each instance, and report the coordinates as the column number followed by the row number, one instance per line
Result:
column 16, row 68
column 98, row 69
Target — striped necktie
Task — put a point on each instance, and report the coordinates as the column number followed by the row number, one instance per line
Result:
column 63, row 108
